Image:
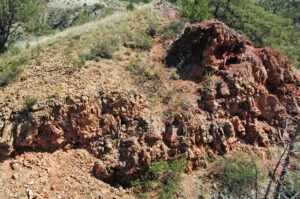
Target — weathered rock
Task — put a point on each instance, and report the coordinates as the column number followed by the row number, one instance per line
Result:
column 256, row 87
column 247, row 95
column 170, row 134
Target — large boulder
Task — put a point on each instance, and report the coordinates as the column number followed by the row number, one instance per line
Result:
column 255, row 89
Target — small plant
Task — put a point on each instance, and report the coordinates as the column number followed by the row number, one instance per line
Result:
column 181, row 63
column 173, row 30
column 82, row 18
column 71, row 44
column 152, row 29
column 15, row 50
column 169, row 97
column 140, row 40
column 208, row 76
column 99, row 6
column 174, row 75
column 78, row 62
column 238, row 174
column 106, row 12
column 143, row 70
column 86, row 54
column 292, row 188
column 104, row 49
column 130, row 6
column 163, row 176
column 29, row 103
column 58, row 91
column 10, row 70
column 291, row 183
column 76, row 37
column 36, row 52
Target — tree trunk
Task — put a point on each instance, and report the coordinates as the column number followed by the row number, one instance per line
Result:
column 3, row 40
column 2, row 46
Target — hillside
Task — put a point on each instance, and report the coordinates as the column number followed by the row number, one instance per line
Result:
column 122, row 105
column 53, row 73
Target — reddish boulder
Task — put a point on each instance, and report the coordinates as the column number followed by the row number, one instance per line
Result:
column 255, row 87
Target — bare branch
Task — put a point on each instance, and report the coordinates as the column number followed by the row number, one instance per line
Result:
column 284, row 170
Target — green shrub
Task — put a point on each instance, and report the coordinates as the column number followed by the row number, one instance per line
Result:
column 63, row 20
column 82, row 18
column 291, row 185
column 157, row 169
column 208, row 77
column 10, row 70
column 238, row 175
column 99, row 6
column 103, row 49
column 36, row 52
column 143, row 70
column 174, row 75
column 86, row 54
column 14, row 50
column 140, row 40
column 173, row 30
column 163, row 176
column 178, row 165
column 38, row 26
column 169, row 97
column 130, row 6
column 78, row 62
column 152, row 29
column 106, row 12
column 9, row 74
column 29, row 103
column 294, row 179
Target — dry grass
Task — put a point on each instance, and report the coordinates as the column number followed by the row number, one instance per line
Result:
column 58, row 65
column 51, row 60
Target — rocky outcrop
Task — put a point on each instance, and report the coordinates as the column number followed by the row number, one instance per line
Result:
column 245, row 96
column 77, row 122
column 249, row 92
column 115, row 126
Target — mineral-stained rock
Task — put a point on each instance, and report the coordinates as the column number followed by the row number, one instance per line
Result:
column 247, row 94
column 255, row 87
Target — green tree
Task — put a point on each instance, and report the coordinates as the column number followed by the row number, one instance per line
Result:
column 194, row 10
column 289, row 10
column 13, row 14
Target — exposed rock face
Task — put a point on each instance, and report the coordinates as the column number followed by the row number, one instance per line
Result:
column 249, row 91
column 246, row 95
column 114, row 126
